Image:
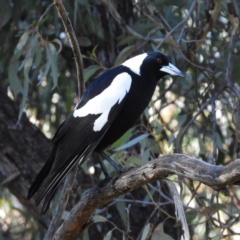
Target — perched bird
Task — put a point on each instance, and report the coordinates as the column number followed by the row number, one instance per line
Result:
column 108, row 108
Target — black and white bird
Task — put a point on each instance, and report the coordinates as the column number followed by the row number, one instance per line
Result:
column 108, row 108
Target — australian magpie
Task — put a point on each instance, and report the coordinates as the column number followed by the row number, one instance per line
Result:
column 108, row 108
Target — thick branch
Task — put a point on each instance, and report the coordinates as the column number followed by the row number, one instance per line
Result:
column 217, row 177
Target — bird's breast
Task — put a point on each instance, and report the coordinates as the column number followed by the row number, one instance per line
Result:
column 137, row 100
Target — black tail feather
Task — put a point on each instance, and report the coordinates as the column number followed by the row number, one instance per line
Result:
column 52, row 184
column 42, row 174
column 59, row 164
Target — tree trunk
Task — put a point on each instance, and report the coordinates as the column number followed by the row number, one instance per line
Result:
column 23, row 151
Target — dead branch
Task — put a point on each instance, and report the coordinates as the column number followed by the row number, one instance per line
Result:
column 217, row 177
column 74, row 44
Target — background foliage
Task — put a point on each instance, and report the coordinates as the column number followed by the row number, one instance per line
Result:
column 198, row 115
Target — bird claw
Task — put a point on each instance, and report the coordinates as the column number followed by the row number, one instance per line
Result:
column 104, row 182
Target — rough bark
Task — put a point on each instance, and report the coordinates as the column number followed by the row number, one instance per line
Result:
column 23, row 151
column 217, row 177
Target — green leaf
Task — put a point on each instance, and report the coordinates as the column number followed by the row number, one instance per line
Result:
column 146, row 231
column 38, row 57
column 85, row 235
column 52, row 56
column 22, row 42
column 190, row 217
column 14, row 81
column 181, row 119
column 145, row 156
column 134, row 161
column 65, row 214
column 215, row 207
column 127, row 135
column 159, row 233
column 24, row 94
column 132, row 142
column 90, row 71
column 121, row 209
column 41, row 22
column 108, row 235
column 47, row 68
column 158, row 127
column 219, row 142
column 171, row 139
column 126, row 40
column 99, row 218
column 124, row 54
column 5, row 12
column 59, row 43
column 84, row 42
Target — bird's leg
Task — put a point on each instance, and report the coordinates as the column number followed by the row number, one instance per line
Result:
column 103, row 167
column 117, row 167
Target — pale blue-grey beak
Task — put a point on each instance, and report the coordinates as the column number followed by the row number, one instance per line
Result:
column 172, row 70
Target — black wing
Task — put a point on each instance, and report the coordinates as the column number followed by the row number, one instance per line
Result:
column 80, row 134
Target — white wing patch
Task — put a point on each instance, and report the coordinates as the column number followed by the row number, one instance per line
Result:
column 135, row 63
column 102, row 103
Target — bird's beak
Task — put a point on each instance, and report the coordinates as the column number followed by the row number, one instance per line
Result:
column 172, row 70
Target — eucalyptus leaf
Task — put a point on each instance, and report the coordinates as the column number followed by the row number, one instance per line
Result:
column 126, row 136
column 126, row 40
column 159, row 233
column 52, row 56
column 146, row 231
column 5, row 12
column 14, row 81
column 124, row 54
column 108, row 236
column 90, row 71
column 121, row 209
column 24, row 94
column 132, row 142
column 22, row 42
column 56, row 40
column 99, row 218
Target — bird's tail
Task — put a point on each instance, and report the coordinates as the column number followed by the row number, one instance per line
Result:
column 52, row 181
column 42, row 174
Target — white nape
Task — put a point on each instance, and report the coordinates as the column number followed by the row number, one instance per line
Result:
column 103, row 103
column 135, row 63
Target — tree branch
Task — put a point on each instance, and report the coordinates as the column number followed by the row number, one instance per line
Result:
column 217, row 177
column 74, row 44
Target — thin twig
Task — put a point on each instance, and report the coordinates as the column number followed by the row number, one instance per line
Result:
column 127, row 231
column 181, row 134
column 214, row 131
column 155, row 12
column 121, row 21
column 46, row 11
column 74, row 44
column 179, row 24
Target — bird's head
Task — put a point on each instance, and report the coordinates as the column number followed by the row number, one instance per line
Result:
column 153, row 64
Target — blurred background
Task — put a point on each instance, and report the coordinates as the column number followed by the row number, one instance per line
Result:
column 197, row 115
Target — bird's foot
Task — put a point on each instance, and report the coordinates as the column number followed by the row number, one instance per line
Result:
column 103, row 182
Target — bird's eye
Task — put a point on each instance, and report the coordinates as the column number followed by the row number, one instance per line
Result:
column 159, row 60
